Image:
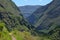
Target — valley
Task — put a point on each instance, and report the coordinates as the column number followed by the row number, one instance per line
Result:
column 38, row 23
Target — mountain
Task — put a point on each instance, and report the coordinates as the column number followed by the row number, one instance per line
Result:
column 13, row 25
column 28, row 9
column 46, row 18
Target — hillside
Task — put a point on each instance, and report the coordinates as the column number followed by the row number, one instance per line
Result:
column 10, row 20
column 9, row 13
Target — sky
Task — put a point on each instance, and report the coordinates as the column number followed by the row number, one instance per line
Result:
column 31, row 2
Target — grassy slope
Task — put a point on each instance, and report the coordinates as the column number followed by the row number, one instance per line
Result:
column 4, row 34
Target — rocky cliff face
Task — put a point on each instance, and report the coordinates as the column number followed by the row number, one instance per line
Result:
column 48, row 18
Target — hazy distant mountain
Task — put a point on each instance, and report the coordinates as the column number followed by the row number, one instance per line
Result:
column 28, row 9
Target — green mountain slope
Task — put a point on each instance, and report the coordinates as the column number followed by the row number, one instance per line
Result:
column 10, row 19
column 10, row 14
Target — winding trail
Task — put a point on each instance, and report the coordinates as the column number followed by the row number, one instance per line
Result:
column 13, row 38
